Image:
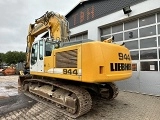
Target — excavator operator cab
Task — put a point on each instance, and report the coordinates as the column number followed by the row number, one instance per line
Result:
column 40, row 49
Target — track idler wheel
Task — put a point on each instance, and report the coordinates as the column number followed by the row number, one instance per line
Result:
column 26, row 87
column 109, row 91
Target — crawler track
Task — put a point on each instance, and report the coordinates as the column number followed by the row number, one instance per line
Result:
column 84, row 98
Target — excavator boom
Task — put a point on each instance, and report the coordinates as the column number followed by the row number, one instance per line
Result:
column 55, row 24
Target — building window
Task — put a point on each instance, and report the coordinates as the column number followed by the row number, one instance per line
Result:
column 106, row 31
column 72, row 38
column 82, row 36
column 131, row 34
column 149, row 66
column 159, row 41
column 132, row 44
column 158, row 17
column 148, row 54
column 85, row 36
column 79, row 37
column 147, row 20
column 105, row 37
column 130, row 25
column 117, row 28
column 159, row 29
column 148, row 31
column 118, row 37
column 149, row 42
column 134, row 55
column 159, row 53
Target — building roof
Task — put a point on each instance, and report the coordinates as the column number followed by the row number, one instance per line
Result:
column 77, row 6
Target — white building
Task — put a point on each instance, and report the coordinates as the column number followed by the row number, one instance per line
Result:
column 139, row 29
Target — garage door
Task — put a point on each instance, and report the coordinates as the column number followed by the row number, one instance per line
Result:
column 142, row 37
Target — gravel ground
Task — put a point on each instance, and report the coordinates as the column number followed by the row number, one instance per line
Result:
column 127, row 106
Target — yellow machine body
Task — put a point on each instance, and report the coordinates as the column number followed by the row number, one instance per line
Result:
column 91, row 62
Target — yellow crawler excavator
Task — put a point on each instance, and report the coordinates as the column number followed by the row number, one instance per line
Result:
column 65, row 72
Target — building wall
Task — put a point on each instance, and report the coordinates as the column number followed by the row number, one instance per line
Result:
column 93, row 26
column 143, row 81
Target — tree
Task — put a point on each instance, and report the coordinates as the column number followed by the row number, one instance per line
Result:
column 2, row 57
column 22, row 57
column 14, row 57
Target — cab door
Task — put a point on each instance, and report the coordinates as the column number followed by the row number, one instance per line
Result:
column 34, row 57
column 40, row 59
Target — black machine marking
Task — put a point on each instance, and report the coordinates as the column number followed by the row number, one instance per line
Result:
column 120, row 66
column 124, row 56
column 70, row 71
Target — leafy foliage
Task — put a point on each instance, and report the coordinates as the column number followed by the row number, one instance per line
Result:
column 12, row 57
column 2, row 57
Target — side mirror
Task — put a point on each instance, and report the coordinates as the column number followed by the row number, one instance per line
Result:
column 33, row 50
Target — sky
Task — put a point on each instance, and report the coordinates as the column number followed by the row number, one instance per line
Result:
column 16, row 15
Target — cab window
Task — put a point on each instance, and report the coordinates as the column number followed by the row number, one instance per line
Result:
column 49, row 46
column 34, row 54
column 41, row 49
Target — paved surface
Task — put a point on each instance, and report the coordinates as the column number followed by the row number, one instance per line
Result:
column 8, row 86
column 127, row 106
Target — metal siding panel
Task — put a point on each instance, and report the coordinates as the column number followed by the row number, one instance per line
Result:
column 143, row 82
column 133, row 84
column 121, row 85
column 150, row 83
column 99, row 9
